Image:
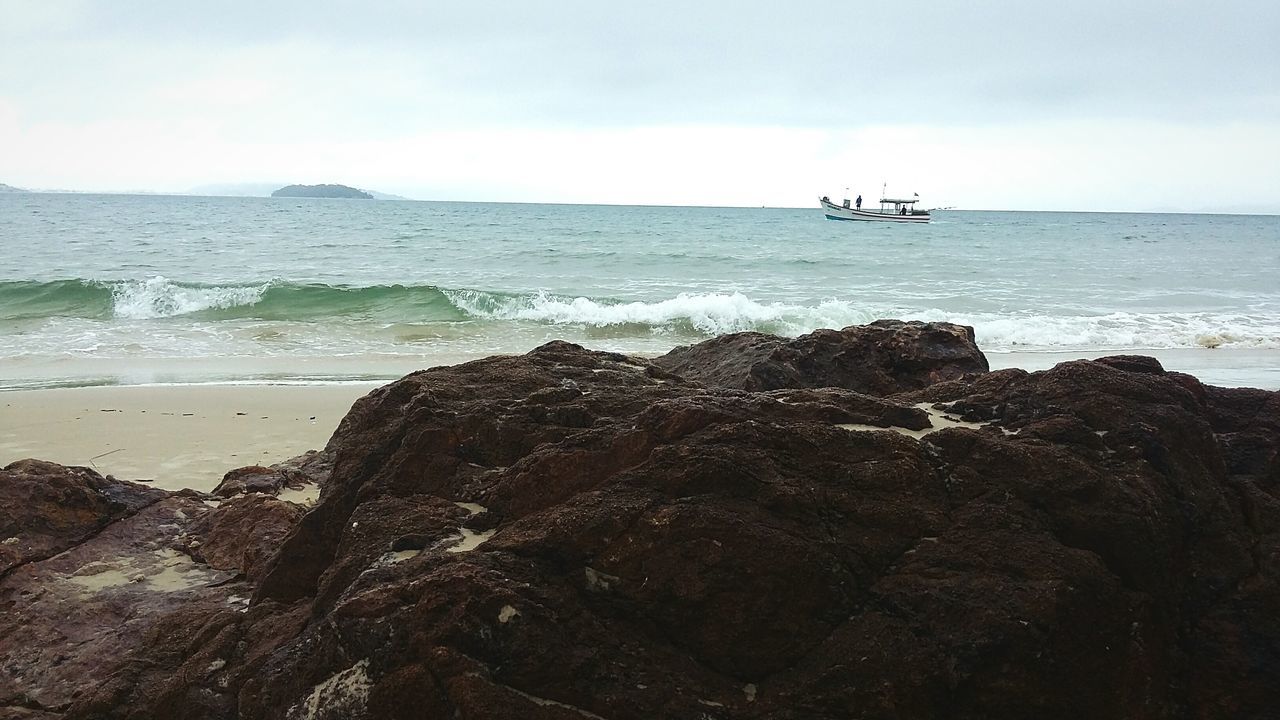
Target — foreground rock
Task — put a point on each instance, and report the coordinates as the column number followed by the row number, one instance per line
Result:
column 575, row 534
column 95, row 569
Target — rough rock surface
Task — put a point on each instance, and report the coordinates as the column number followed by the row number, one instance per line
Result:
column 95, row 569
column 311, row 469
column 881, row 358
column 572, row 534
column 47, row 508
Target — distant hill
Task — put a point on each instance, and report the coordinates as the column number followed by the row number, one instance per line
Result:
column 321, row 191
column 10, row 189
column 260, row 189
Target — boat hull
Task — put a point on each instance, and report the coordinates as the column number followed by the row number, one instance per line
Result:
column 836, row 212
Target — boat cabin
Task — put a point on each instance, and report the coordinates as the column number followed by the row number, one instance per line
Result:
column 900, row 206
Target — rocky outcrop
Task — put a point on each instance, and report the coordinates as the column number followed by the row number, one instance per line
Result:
column 47, row 508
column 884, row 357
column 573, row 534
column 96, row 570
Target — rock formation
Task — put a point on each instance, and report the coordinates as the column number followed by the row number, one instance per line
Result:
column 718, row 533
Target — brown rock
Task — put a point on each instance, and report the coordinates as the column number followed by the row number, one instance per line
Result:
column 882, row 358
column 574, row 534
column 46, row 508
column 242, row 535
column 71, row 620
column 309, row 469
column 111, row 573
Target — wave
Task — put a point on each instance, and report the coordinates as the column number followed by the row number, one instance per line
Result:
column 418, row 313
column 159, row 297
column 718, row 313
column 701, row 313
column 22, row 300
column 1114, row 331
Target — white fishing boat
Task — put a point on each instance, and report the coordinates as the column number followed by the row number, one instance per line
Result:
column 901, row 210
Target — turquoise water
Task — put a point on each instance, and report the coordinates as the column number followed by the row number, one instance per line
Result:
column 116, row 288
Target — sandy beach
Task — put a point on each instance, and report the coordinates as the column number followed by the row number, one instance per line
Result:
column 175, row 436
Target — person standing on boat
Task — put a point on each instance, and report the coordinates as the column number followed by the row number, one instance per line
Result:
column 858, row 203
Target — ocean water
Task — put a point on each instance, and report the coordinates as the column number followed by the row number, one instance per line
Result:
column 100, row 289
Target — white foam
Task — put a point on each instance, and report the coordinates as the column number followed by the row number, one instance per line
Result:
column 158, row 297
column 717, row 312
column 1113, row 331
column 711, row 313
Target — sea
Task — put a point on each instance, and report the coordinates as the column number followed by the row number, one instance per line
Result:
column 153, row 289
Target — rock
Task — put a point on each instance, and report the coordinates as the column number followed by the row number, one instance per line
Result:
column 243, row 535
column 47, row 508
column 882, row 358
column 250, row 479
column 573, row 534
column 311, row 468
column 101, row 571
column 297, row 480
column 72, row 620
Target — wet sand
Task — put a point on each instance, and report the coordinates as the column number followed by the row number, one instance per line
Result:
column 175, row 436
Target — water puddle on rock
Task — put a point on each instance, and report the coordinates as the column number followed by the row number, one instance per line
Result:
column 938, row 419
column 306, row 495
column 472, row 508
column 164, row 570
column 470, row 540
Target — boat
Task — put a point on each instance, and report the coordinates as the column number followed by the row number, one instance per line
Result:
column 900, row 210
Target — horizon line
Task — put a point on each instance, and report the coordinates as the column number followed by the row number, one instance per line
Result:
column 164, row 193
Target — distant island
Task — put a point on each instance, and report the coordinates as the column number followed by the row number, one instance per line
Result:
column 321, row 191
column 10, row 189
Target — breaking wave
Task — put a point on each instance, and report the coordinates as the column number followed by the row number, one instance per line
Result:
column 686, row 314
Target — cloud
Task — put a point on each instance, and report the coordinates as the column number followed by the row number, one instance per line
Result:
column 1015, row 104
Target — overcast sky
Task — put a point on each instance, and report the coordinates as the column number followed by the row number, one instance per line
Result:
column 1083, row 105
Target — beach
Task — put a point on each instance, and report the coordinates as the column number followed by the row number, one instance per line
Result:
column 173, row 436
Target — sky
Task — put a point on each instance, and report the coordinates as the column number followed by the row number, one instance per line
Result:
column 1145, row 105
